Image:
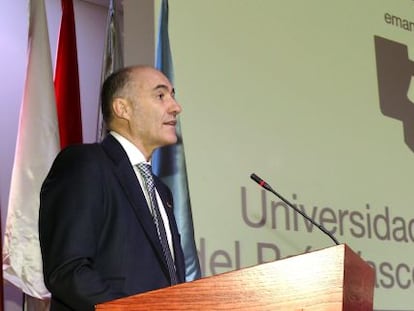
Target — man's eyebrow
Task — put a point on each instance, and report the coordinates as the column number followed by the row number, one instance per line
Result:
column 164, row 87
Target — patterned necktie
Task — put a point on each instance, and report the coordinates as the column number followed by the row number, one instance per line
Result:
column 145, row 170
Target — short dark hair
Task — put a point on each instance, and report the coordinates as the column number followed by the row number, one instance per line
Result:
column 114, row 86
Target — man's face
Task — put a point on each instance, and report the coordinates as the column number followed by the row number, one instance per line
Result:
column 154, row 111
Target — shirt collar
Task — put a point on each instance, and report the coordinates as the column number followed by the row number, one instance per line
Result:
column 135, row 155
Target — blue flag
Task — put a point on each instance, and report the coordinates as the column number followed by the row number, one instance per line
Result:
column 169, row 162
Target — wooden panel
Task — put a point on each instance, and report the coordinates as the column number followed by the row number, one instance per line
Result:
column 313, row 281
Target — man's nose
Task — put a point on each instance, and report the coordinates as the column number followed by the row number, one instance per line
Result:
column 176, row 107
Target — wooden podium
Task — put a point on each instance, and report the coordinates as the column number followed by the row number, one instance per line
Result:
column 330, row 279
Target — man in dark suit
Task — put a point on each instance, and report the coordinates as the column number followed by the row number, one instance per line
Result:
column 96, row 228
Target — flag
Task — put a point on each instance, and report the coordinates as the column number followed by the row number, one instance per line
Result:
column 169, row 162
column 67, row 80
column 36, row 147
column 112, row 58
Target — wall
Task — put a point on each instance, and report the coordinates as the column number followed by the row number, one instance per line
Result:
column 289, row 90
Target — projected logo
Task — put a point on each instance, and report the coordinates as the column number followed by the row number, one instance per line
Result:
column 395, row 72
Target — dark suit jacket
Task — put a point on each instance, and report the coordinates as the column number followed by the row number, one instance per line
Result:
column 97, row 237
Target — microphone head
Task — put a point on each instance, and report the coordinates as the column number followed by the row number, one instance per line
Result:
column 261, row 182
column 255, row 178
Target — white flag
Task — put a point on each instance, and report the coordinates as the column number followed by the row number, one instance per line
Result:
column 36, row 147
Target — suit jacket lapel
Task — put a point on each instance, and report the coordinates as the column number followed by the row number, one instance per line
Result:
column 130, row 185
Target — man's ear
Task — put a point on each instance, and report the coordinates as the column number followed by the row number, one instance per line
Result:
column 121, row 108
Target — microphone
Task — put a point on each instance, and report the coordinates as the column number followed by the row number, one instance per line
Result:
column 266, row 186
